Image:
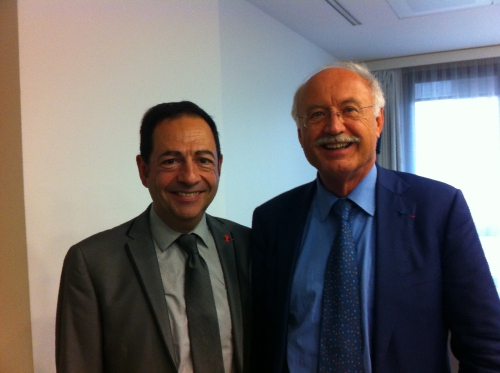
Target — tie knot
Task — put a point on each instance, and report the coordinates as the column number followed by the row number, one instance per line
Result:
column 187, row 242
column 342, row 208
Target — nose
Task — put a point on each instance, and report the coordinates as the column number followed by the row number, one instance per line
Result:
column 188, row 173
column 334, row 123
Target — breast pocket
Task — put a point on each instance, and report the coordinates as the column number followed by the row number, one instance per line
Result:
column 428, row 274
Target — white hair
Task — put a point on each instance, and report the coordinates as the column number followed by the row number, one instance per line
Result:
column 358, row 68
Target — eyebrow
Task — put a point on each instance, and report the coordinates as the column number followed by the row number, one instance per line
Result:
column 169, row 152
column 351, row 101
column 205, row 152
column 179, row 154
column 342, row 103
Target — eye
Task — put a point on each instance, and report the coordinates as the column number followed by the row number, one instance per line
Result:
column 206, row 161
column 316, row 114
column 350, row 112
column 168, row 161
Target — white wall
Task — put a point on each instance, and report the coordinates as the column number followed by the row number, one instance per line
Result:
column 90, row 69
column 263, row 62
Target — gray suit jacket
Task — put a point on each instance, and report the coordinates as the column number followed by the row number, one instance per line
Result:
column 111, row 313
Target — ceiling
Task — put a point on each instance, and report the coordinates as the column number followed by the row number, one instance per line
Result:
column 382, row 34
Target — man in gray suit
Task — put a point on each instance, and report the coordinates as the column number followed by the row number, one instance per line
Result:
column 123, row 305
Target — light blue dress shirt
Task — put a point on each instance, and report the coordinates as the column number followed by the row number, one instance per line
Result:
column 172, row 262
column 307, row 288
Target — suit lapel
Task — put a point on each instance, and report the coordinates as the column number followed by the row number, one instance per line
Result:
column 225, row 244
column 143, row 255
column 291, row 230
column 394, row 226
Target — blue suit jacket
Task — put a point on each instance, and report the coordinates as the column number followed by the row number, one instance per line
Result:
column 431, row 278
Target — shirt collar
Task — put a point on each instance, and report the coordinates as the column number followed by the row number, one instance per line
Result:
column 164, row 236
column 363, row 195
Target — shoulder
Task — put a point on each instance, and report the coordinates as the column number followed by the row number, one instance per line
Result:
column 106, row 235
column 293, row 197
column 437, row 201
column 225, row 231
column 411, row 184
column 229, row 225
column 113, row 239
column 108, row 251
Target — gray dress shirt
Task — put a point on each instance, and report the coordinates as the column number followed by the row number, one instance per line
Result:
column 172, row 259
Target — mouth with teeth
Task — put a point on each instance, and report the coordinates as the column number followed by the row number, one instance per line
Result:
column 188, row 194
column 337, row 145
column 336, row 142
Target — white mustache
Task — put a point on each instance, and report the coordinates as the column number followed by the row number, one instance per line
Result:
column 336, row 139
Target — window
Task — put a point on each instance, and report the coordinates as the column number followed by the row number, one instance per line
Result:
column 457, row 141
column 442, row 122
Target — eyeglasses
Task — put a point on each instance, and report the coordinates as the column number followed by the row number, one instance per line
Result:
column 319, row 115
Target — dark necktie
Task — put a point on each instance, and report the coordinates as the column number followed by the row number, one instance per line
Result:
column 340, row 341
column 203, row 326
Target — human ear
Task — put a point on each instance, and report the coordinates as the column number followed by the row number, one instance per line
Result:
column 143, row 170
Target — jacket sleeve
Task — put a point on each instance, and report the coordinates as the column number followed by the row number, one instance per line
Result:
column 258, row 299
column 78, row 325
column 263, row 352
column 471, row 302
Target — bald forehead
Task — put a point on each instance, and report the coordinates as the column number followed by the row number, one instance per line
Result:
column 333, row 86
column 335, row 77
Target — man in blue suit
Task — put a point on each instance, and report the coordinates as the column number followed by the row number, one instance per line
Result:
column 420, row 273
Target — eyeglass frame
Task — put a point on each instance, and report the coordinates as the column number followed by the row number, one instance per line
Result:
column 338, row 113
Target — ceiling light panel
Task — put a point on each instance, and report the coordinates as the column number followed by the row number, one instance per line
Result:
column 414, row 8
column 343, row 12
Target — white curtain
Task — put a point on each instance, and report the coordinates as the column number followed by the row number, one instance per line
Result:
column 395, row 139
column 466, row 79
column 404, row 87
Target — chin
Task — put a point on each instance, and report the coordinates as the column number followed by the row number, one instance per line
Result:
column 188, row 215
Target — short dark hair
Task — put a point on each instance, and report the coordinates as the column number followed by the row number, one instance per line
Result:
column 171, row 110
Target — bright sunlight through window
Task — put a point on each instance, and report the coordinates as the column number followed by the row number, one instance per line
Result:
column 458, row 142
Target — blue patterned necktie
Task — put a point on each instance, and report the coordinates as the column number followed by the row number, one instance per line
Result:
column 340, row 341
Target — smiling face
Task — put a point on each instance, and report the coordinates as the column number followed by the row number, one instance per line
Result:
column 341, row 164
column 183, row 172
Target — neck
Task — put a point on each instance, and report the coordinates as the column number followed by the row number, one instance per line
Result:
column 180, row 225
column 341, row 185
column 338, row 189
